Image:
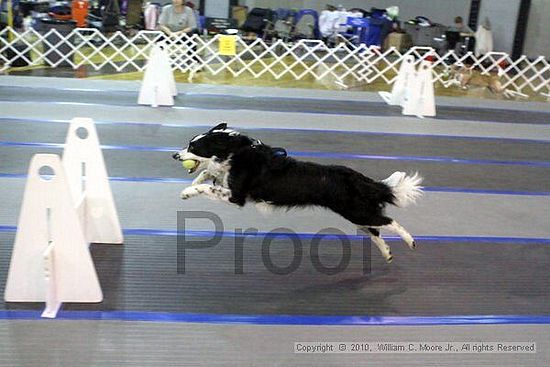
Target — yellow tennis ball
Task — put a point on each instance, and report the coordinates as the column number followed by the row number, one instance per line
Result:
column 189, row 163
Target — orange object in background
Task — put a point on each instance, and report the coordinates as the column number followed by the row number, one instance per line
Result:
column 79, row 12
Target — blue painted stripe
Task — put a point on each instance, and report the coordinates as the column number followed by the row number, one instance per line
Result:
column 484, row 191
column 426, row 188
column 308, row 236
column 363, row 320
column 320, row 155
column 13, row 175
column 23, row 144
column 277, row 129
column 331, row 155
column 119, row 179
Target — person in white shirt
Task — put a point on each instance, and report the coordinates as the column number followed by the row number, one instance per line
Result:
column 327, row 21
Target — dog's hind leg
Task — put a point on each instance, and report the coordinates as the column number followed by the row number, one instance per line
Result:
column 402, row 232
column 380, row 243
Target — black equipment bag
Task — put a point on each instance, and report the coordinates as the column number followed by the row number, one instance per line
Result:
column 257, row 19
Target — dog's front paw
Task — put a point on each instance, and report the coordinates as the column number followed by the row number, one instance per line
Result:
column 187, row 193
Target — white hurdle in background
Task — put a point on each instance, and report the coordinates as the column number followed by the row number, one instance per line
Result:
column 158, row 87
column 404, row 79
column 60, row 216
column 413, row 90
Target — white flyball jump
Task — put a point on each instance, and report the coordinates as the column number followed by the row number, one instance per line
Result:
column 63, row 211
column 413, row 90
column 405, row 78
column 158, row 87
column 82, row 156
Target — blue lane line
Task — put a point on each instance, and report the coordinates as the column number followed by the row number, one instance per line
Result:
column 23, row 144
column 321, row 155
column 363, row 320
column 308, row 236
column 426, row 188
column 276, row 129
column 123, row 179
column 330, row 155
column 484, row 191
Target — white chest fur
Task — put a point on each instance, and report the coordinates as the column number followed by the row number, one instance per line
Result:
column 219, row 171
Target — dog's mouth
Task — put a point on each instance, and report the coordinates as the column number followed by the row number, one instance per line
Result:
column 187, row 160
column 190, row 164
column 194, row 168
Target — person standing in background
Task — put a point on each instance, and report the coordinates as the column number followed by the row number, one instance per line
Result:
column 461, row 28
column 177, row 19
column 327, row 22
column 466, row 38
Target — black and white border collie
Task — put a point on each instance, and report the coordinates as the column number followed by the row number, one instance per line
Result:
column 240, row 169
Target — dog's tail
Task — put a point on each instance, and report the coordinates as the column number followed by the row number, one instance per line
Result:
column 406, row 189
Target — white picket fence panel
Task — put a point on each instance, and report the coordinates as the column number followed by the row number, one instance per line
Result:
column 344, row 64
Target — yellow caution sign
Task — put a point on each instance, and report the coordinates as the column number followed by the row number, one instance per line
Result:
column 228, row 45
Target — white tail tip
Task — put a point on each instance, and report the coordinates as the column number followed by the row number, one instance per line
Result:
column 406, row 189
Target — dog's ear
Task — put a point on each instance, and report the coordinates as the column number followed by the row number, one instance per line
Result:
column 221, row 126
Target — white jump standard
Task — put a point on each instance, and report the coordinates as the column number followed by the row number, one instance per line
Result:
column 61, row 214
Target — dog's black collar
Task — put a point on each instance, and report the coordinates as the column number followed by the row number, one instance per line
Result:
column 279, row 152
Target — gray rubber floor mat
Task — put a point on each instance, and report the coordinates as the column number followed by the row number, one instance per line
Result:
column 298, row 141
column 333, row 107
column 125, row 163
column 443, row 278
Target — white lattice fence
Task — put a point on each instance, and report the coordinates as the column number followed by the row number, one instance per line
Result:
column 343, row 64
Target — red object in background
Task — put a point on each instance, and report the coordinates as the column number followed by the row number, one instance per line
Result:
column 79, row 12
column 429, row 57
